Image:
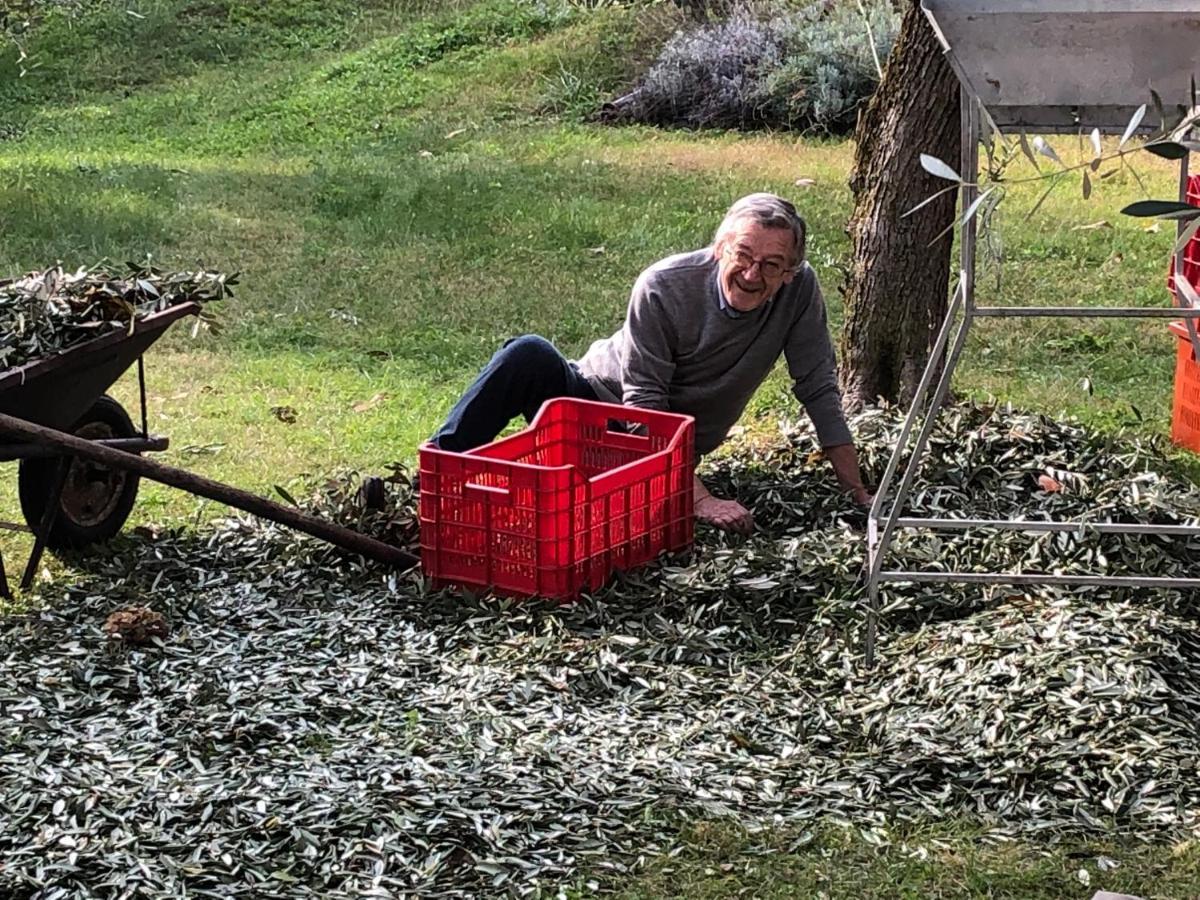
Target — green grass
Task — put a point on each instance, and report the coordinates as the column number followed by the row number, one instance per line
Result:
column 913, row 862
column 405, row 184
column 397, row 205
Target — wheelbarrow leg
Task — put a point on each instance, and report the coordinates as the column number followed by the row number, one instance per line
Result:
column 43, row 530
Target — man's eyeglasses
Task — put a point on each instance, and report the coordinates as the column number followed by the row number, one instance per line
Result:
column 769, row 268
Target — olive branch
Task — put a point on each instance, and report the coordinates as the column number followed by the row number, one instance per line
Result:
column 1173, row 140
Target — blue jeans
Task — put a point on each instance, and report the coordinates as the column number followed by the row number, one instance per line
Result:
column 524, row 373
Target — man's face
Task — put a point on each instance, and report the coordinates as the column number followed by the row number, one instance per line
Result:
column 753, row 263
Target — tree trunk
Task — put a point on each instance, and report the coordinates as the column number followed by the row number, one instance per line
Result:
column 896, row 289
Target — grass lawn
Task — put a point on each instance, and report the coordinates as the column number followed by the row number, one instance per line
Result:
column 404, row 185
column 921, row 862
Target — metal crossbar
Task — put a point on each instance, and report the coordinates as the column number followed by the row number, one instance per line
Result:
column 1080, row 528
column 1084, row 312
column 1041, row 578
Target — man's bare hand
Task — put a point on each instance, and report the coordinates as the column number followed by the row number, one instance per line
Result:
column 725, row 514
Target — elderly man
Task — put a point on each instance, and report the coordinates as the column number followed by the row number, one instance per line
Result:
column 702, row 332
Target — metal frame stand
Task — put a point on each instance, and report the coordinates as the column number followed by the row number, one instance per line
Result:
column 885, row 515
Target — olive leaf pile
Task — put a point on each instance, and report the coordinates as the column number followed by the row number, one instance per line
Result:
column 314, row 728
column 50, row 311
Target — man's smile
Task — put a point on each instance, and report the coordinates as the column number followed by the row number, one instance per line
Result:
column 746, row 286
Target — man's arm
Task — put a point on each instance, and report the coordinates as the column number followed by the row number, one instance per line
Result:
column 844, row 460
column 649, row 352
column 647, row 363
column 648, row 349
column 727, row 514
column 813, row 367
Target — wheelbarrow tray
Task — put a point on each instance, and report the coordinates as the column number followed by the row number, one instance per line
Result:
column 55, row 391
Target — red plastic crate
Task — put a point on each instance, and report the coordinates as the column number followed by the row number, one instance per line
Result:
column 558, row 507
column 1185, row 410
column 1191, row 253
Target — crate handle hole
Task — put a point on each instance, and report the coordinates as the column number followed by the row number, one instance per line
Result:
column 494, row 486
column 630, row 429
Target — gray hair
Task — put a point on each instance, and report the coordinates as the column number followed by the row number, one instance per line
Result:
column 770, row 211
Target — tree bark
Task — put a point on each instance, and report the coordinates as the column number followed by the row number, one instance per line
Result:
column 896, row 289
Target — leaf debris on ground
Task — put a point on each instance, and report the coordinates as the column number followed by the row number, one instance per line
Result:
column 315, row 728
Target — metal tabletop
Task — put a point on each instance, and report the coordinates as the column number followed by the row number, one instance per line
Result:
column 1057, row 65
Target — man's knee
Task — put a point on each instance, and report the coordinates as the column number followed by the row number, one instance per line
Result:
column 530, row 352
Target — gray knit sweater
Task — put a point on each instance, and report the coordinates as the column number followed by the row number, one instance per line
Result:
column 680, row 351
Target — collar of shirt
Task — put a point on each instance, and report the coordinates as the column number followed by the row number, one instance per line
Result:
column 724, row 304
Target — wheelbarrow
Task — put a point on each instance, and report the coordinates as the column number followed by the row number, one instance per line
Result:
column 80, row 452
column 68, row 502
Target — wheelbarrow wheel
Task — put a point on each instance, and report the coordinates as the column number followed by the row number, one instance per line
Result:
column 95, row 500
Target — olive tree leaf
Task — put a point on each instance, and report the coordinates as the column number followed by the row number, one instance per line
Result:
column 1025, row 148
column 1040, row 145
column 986, row 134
column 929, row 200
column 283, row 492
column 967, row 216
column 1161, row 209
column 1126, row 164
column 1184, row 129
column 974, row 207
column 1097, row 149
column 1087, row 186
column 990, row 128
column 1134, row 121
column 936, row 167
column 1167, row 149
column 1158, row 108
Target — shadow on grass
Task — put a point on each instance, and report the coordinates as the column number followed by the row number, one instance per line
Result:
column 285, row 82
column 433, row 261
column 106, row 47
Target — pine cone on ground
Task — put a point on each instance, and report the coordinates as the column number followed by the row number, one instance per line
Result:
column 135, row 625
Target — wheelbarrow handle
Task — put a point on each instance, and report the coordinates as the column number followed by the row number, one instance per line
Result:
column 213, row 490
